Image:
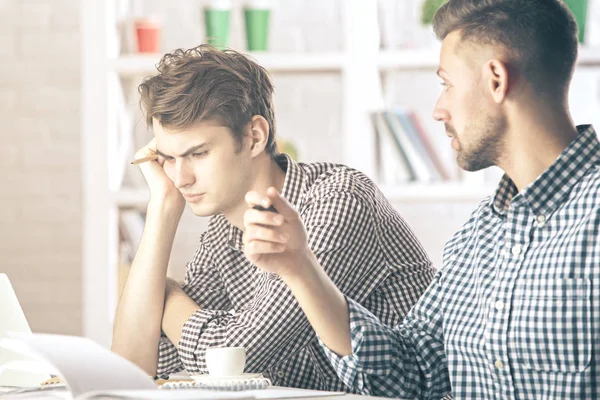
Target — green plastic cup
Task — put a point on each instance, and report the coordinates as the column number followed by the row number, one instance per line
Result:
column 579, row 9
column 257, row 28
column 216, row 22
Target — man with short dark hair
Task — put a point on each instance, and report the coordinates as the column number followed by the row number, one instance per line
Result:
column 515, row 311
column 214, row 126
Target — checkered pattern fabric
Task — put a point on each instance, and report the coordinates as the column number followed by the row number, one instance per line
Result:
column 515, row 311
column 359, row 239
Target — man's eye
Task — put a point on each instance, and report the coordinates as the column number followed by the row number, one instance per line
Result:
column 170, row 159
column 199, row 155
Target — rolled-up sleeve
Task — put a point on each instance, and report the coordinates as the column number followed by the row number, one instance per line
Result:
column 407, row 361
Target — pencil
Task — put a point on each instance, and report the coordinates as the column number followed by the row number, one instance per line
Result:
column 144, row 159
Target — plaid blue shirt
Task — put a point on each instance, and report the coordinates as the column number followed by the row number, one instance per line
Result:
column 515, row 311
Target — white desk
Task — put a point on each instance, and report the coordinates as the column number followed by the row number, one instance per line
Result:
column 337, row 397
column 59, row 394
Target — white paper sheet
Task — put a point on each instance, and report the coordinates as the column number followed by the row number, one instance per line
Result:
column 181, row 394
column 84, row 365
column 191, row 394
column 290, row 393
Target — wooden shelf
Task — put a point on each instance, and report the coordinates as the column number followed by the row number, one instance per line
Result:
column 409, row 59
column 589, row 57
column 437, row 192
column 429, row 58
column 145, row 64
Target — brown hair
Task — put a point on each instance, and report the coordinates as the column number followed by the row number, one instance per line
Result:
column 204, row 83
column 540, row 35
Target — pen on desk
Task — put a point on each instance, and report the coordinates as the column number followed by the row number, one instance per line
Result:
column 144, row 159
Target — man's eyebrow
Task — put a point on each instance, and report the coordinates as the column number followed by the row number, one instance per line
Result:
column 186, row 153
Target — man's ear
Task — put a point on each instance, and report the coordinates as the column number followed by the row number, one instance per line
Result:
column 257, row 134
column 497, row 76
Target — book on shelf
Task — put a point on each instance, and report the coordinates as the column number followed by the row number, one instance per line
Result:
column 417, row 125
column 392, row 165
column 405, row 152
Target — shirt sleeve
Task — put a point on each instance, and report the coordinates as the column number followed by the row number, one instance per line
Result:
column 407, row 361
column 273, row 327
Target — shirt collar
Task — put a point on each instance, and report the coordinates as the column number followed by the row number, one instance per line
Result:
column 293, row 188
column 547, row 192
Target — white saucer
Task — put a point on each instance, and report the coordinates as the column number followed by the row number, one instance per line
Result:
column 208, row 378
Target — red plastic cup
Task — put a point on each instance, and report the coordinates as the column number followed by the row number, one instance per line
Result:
column 148, row 35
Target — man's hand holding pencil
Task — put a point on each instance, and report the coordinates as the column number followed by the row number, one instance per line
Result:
column 163, row 192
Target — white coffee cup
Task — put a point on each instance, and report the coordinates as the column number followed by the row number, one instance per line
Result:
column 225, row 361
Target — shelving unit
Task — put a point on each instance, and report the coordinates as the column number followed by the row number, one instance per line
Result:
column 360, row 65
column 417, row 59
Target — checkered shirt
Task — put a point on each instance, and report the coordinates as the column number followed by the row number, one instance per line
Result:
column 515, row 311
column 359, row 239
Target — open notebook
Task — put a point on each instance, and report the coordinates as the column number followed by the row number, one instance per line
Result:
column 18, row 369
column 89, row 371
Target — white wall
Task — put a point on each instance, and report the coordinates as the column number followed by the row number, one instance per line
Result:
column 40, row 189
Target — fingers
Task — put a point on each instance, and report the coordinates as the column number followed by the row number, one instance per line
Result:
column 148, row 150
column 258, row 248
column 253, row 199
column 264, row 218
column 262, row 229
column 147, row 159
column 273, row 198
column 264, row 234
column 280, row 203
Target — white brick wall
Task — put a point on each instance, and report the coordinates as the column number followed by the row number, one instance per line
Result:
column 40, row 216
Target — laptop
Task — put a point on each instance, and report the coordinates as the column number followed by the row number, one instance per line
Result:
column 12, row 319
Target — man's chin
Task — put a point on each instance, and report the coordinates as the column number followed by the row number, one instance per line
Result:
column 200, row 210
column 472, row 164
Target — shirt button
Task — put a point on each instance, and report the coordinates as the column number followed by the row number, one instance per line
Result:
column 280, row 374
column 499, row 364
column 499, row 305
column 516, row 250
column 541, row 220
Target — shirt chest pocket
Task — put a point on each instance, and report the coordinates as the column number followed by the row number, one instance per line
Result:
column 552, row 328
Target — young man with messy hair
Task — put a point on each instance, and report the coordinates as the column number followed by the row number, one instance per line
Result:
column 214, row 127
column 515, row 311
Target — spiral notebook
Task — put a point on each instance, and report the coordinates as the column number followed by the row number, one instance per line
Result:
column 230, row 384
